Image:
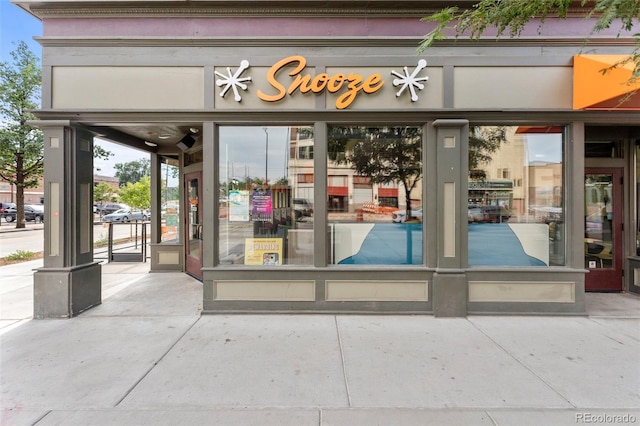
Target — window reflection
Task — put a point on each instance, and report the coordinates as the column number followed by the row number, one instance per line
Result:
column 170, row 199
column 375, row 195
column 515, row 211
column 266, row 195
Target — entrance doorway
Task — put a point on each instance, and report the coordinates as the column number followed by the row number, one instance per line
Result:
column 193, row 228
column 603, row 229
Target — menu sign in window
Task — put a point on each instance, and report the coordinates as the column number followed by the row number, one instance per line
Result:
column 261, row 206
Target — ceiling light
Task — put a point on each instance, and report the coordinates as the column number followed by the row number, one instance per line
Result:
column 150, row 143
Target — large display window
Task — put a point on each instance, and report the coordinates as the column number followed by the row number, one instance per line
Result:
column 516, row 196
column 266, row 179
column 374, row 195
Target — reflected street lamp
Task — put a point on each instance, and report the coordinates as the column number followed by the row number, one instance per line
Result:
column 266, row 155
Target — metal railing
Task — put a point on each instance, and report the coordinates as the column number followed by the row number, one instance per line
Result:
column 133, row 249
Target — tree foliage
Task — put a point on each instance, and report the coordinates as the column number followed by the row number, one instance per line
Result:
column 103, row 192
column 21, row 145
column 509, row 17
column 483, row 142
column 132, row 171
column 383, row 154
column 137, row 195
column 100, row 152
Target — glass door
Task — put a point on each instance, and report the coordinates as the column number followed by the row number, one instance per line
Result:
column 193, row 192
column 603, row 229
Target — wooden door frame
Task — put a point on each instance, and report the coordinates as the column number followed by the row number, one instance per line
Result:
column 610, row 279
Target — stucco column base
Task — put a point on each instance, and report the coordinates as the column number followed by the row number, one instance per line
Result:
column 66, row 292
column 450, row 294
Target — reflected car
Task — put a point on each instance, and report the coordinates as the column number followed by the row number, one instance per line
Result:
column 493, row 214
column 475, row 213
column 400, row 216
column 125, row 215
column 302, row 207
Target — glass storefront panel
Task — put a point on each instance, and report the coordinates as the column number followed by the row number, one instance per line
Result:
column 598, row 220
column 516, row 196
column 266, row 179
column 170, row 199
column 374, row 195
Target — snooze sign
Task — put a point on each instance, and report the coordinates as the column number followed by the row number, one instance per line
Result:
column 287, row 77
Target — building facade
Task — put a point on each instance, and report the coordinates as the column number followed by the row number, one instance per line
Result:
column 324, row 166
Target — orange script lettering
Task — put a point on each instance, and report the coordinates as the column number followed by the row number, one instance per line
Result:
column 306, row 83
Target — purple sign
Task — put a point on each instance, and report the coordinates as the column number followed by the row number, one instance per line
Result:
column 261, row 206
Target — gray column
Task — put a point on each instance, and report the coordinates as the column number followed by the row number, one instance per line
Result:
column 70, row 281
column 450, row 288
column 210, row 196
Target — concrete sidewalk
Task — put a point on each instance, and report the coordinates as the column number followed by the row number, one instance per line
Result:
column 147, row 357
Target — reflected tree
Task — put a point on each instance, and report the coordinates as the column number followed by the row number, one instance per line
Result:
column 383, row 154
column 484, row 141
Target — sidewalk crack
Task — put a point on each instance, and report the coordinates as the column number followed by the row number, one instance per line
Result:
column 344, row 368
column 542, row 379
column 128, row 392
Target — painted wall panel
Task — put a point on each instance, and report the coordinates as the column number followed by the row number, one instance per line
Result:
column 130, row 88
column 265, row 290
column 338, row 290
column 549, row 292
column 513, row 87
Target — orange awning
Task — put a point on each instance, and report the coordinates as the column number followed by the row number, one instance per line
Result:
column 594, row 90
column 539, row 129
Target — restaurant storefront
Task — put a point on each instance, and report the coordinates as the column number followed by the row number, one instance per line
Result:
column 322, row 166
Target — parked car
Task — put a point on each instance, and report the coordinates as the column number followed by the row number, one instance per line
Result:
column 120, row 215
column 400, row 216
column 140, row 214
column 302, row 207
column 32, row 213
column 125, row 215
column 5, row 211
column 109, row 208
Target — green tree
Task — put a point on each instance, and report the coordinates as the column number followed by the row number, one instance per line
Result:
column 483, row 142
column 383, row 154
column 21, row 145
column 137, row 195
column 509, row 17
column 104, row 192
column 132, row 171
column 100, row 152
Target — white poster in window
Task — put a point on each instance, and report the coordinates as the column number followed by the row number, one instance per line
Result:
column 238, row 206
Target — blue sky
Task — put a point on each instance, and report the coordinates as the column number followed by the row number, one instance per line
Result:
column 17, row 25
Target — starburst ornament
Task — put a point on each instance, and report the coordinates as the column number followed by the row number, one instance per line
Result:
column 411, row 81
column 233, row 81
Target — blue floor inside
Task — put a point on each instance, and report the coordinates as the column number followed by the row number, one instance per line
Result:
column 401, row 244
column 390, row 244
